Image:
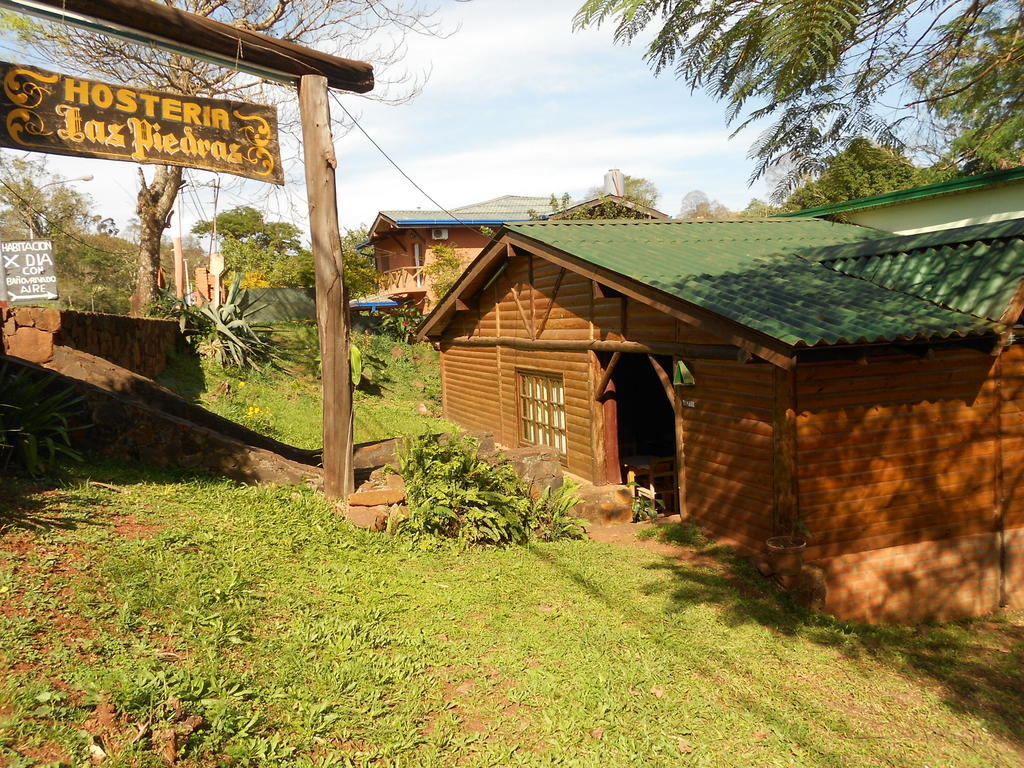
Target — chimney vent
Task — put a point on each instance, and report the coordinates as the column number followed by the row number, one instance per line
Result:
column 615, row 183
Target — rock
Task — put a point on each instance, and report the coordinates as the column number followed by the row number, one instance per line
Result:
column 396, row 352
column 371, row 518
column 30, row 344
column 48, row 320
column 417, row 384
column 375, row 454
column 422, row 409
column 605, row 504
column 395, row 482
column 374, row 498
column 763, row 566
column 538, row 466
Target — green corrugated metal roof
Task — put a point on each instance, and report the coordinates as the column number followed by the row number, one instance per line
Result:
column 962, row 184
column 970, row 269
column 748, row 272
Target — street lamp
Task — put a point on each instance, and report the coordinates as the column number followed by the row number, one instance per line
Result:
column 40, row 188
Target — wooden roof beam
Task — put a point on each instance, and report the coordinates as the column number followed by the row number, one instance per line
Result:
column 148, row 22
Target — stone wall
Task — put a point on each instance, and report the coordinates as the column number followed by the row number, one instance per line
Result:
column 136, row 343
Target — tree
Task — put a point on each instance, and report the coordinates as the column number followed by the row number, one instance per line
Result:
column 820, row 68
column 444, row 269
column 271, row 253
column 980, row 105
column 268, row 253
column 860, row 170
column 697, row 205
column 361, row 275
column 38, row 203
column 757, row 209
column 375, row 28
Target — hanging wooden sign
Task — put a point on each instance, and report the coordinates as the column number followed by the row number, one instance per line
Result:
column 60, row 114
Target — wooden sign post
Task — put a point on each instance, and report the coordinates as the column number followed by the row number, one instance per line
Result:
column 331, row 301
column 313, row 71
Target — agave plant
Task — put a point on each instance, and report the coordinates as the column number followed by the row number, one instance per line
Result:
column 233, row 340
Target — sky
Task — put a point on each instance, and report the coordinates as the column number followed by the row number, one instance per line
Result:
column 516, row 103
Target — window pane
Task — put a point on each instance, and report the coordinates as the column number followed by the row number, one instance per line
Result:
column 542, row 410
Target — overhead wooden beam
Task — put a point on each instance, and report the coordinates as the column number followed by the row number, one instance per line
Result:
column 522, row 313
column 177, row 31
column 690, row 351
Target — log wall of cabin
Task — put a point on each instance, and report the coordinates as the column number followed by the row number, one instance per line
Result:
column 1012, row 481
column 897, row 480
column 727, row 434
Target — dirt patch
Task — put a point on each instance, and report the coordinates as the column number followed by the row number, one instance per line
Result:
column 130, row 528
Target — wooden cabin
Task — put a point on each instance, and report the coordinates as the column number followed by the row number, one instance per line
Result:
column 868, row 386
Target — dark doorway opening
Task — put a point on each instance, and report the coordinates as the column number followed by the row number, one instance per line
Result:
column 640, row 429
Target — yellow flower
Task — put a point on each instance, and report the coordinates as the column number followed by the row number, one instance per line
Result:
column 241, row 383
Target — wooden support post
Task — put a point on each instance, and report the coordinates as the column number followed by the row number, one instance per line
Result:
column 680, row 416
column 331, row 301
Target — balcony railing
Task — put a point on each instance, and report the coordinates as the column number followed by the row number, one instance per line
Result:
column 403, row 280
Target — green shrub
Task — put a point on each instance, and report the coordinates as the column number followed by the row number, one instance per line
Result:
column 34, row 429
column 400, row 323
column 453, row 492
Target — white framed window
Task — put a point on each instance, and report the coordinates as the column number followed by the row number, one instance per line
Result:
column 542, row 409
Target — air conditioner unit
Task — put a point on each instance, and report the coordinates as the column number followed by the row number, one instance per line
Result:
column 439, row 233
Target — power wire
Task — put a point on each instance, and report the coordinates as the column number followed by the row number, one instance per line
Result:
column 491, row 238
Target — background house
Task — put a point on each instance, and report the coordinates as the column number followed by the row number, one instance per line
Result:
column 796, row 372
column 403, row 241
column 981, row 199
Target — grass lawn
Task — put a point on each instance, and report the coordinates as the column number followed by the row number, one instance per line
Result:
column 285, row 402
column 177, row 617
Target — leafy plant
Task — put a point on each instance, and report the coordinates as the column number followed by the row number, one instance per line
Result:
column 453, row 492
column 34, row 422
column 444, row 268
column 644, row 508
column 552, row 520
column 232, row 340
column 400, row 324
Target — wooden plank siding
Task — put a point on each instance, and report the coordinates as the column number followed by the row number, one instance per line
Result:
column 1012, row 434
column 575, row 313
column 896, row 452
column 727, row 438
